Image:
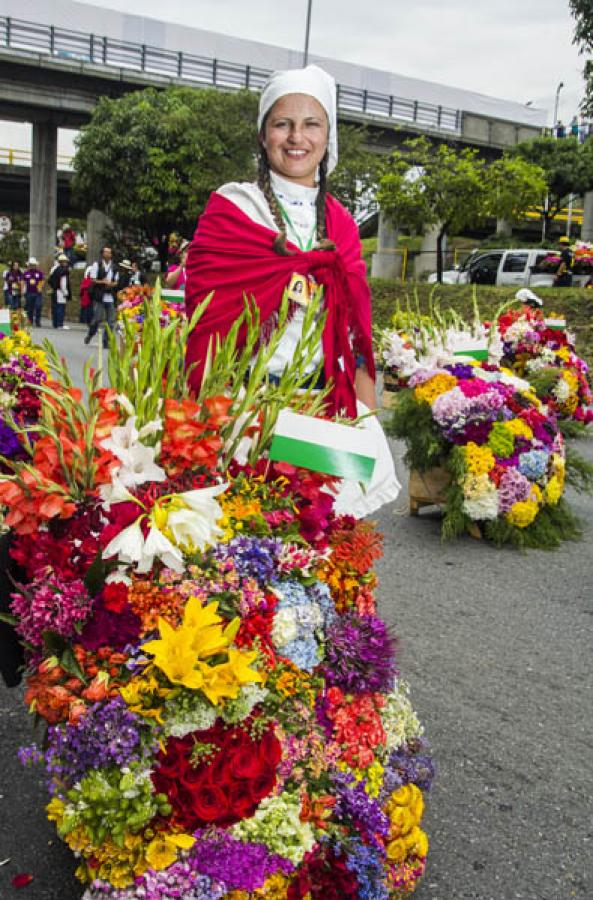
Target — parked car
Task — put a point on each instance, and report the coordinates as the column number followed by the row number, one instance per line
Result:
column 504, row 267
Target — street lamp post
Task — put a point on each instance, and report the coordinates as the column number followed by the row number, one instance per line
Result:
column 307, row 32
column 557, row 100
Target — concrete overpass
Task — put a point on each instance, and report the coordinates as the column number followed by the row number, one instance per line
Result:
column 53, row 76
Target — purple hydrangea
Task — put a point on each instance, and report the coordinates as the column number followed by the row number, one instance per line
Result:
column 253, row 557
column 10, row 446
column 360, row 654
column 513, row 488
column 241, row 866
column 177, row 881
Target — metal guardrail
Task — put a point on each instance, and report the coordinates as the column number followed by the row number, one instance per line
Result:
column 9, row 156
column 66, row 44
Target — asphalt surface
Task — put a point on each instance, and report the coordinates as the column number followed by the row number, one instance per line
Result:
column 496, row 646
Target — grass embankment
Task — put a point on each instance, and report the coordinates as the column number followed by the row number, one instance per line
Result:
column 575, row 303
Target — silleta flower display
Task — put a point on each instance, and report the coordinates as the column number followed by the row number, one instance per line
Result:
column 225, row 715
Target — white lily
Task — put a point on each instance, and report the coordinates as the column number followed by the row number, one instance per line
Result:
column 195, row 523
column 132, row 548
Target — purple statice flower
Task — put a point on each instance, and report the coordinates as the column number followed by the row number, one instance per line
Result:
column 513, row 488
column 30, row 756
column 10, row 446
column 459, row 370
column 55, row 605
column 110, row 629
column 409, row 764
column 107, row 735
column 177, row 881
column 241, row 866
column 359, row 654
column 353, row 804
column 253, row 557
column 367, row 864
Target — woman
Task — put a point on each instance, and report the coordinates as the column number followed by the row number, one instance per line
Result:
column 175, row 277
column 282, row 231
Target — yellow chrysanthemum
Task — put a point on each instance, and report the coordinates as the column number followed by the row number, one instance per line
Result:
column 563, row 354
column 522, row 513
column 434, row 387
column 479, row 460
column 520, row 428
column 415, row 843
column 553, row 491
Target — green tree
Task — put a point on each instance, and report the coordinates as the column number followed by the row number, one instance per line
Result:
column 151, row 158
column 582, row 10
column 513, row 185
column 568, row 169
column 354, row 180
column 424, row 184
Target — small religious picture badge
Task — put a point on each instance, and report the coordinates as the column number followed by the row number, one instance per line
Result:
column 298, row 289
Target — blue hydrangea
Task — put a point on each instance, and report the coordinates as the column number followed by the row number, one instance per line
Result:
column 302, row 617
column 533, row 464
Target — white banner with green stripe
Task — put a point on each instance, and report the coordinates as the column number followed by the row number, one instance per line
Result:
column 172, row 296
column 555, row 323
column 5, row 323
column 346, row 451
column 476, row 349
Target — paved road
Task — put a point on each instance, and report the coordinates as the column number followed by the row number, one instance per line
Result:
column 497, row 648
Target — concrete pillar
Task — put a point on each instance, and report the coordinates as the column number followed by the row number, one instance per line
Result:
column 587, row 227
column 44, row 192
column 96, row 223
column 426, row 261
column 386, row 263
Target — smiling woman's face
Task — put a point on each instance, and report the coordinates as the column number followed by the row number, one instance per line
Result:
column 295, row 137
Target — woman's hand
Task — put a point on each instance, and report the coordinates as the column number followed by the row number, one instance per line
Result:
column 172, row 276
column 365, row 387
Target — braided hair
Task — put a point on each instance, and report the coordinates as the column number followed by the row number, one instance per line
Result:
column 265, row 185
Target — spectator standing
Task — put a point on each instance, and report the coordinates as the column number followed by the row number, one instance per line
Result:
column 104, row 276
column 12, row 278
column 564, row 273
column 86, row 302
column 124, row 275
column 175, row 277
column 59, row 282
column 560, row 130
column 69, row 242
column 583, row 130
column 33, row 279
column 574, row 127
column 138, row 276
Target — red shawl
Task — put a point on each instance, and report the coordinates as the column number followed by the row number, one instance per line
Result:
column 232, row 255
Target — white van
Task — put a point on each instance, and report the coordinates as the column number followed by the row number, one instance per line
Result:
column 504, row 267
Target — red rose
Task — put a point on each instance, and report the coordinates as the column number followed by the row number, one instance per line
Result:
column 247, row 762
column 210, row 804
column 241, row 802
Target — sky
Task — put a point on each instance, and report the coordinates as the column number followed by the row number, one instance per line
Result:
column 513, row 49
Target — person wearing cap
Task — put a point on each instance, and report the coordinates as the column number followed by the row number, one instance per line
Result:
column 33, row 279
column 263, row 238
column 564, row 272
column 175, row 277
column 59, row 282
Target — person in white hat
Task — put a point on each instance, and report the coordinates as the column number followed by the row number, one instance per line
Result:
column 286, row 232
column 59, row 281
column 33, row 279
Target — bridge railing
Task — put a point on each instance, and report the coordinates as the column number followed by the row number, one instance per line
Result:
column 62, row 43
column 13, row 156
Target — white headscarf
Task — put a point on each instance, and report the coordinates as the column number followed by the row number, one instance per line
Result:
column 312, row 81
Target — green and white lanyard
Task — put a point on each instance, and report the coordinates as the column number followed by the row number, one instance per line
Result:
column 304, row 247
